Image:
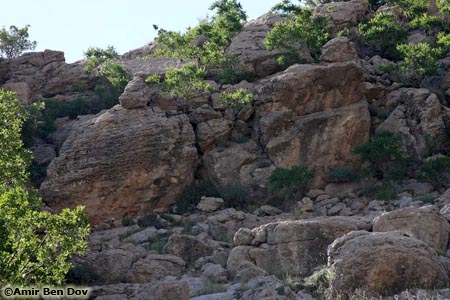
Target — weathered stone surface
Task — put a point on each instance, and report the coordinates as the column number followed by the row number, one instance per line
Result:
column 425, row 224
column 122, row 163
column 344, row 14
column 145, row 67
column 275, row 246
column 322, row 140
column 43, row 153
column 112, row 265
column 154, row 267
column 415, row 115
column 155, row 290
column 339, row 49
column 135, row 95
column 21, row 89
column 250, row 49
column 306, row 89
column 215, row 273
column 203, row 114
column 189, row 248
column 209, row 204
column 45, row 74
column 383, row 263
column 211, row 132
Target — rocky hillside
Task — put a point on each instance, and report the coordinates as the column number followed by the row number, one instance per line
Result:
column 181, row 191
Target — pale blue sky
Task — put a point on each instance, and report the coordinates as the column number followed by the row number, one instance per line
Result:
column 73, row 26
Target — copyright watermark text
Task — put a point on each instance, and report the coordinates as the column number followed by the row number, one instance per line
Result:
column 45, row 292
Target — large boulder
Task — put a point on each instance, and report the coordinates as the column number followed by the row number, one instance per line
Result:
column 425, row 224
column 122, row 163
column 344, row 14
column 339, row 49
column 287, row 247
column 136, row 94
column 189, row 248
column 44, row 74
column 250, row 49
column 321, row 140
column 416, row 115
column 382, row 263
column 155, row 266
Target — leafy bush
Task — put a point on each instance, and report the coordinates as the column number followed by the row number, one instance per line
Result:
column 234, row 195
column 386, row 192
column 150, row 220
column 437, row 172
column 385, row 156
column 100, row 62
column 383, row 32
column 420, row 58
column 303, row 29
column 191, row 195
column 291, row 182
column 208, row 41
column 15, row 41
column 236, row 99
column 184, row 83
column 36, row 246
column 341, row 175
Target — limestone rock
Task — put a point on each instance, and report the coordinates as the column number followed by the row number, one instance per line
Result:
column 144, row 67
column 43, row 153
column 339, row 49
column 275, row 246
column 250, row 49
column 122, row 163
column 189, row 248
column 425, row 224
column 344, row 14
column 383, row 263
column 209, row 204
column 210, row 132
column 21, row 89
column 135, row 95
column 416, row 115
column 155, row 266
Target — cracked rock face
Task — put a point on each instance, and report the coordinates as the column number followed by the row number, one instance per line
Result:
column 272, row 248
column 383, row 263
column 122, row 163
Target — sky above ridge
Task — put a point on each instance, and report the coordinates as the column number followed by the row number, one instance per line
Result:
column 73, row 26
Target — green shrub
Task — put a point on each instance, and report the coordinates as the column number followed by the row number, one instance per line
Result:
column 383, row 32
column 420, row 58
column 341, row 175
column 127, row 222
column 291, row 182
column 184, row 83
column 303, row 29
column 150, row 220
column 385, row 156
column 428, row 198
column 215, row 33
column 236, row 99
column 100, row 62
column 191, row 195
column 15, row 41
column 234, row 195
column 425, row 21
column 437, row 172
column 411, row 8
column 386, row 192
column 157, row 244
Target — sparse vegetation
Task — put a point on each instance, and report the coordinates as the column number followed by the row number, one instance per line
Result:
column 236, row 99
column 291, row 182
column 192, row 194
column 302, row 30
column 183, row 83
column 385, row 156
column 437, row 172
column 341, row 175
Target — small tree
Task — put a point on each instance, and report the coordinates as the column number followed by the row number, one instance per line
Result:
column 36, row 246
column 14, row 42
